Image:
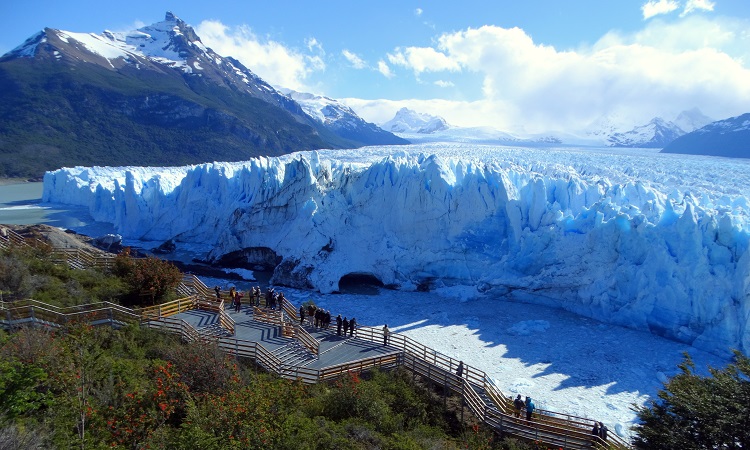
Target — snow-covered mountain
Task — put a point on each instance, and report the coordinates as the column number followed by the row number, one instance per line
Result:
column 152, row 96
column 407, row 121
column 610, row 130
column 729, row 137
column 342, row 120
column 603, row 127
column 691, row 120
column 652, row 242
column 164, row 47
column 424, row 128
column 655, row 134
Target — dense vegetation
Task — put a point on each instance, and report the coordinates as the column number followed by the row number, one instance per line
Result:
column 88, row 388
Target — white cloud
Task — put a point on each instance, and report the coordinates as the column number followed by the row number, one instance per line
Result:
column 314, row 46
column 397, row 59
column 385, row 69
column 353, row 59
column 655, row 7
column 423, row 59
column 271, row 60
column 694, row 5
column 661, row 70
column 723, row 34
column 443, row 83
column 418, row 12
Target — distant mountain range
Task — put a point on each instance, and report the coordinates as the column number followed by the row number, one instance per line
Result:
column 342, row 120
column 152, row 96
column 729, row 137
column 421, row 127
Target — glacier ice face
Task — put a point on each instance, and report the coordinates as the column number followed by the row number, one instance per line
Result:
column 645, row 240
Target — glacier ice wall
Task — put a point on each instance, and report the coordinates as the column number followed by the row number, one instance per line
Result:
column 633, row 241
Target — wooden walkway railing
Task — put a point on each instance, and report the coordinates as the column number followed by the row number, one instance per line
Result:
column 32, row 312
column 477, row 390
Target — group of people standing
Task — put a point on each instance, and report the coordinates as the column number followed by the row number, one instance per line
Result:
column 600, row 430
column 527, row 405
column 273, row 299
column 321, row 318
column 348, row 325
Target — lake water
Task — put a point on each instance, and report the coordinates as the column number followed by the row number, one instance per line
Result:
column 21, row 204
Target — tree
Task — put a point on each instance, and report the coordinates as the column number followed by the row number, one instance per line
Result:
column 151, row 277
column 695, row 412
column 22, row 388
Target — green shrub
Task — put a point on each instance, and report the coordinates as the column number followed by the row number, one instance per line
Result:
column 696, row 412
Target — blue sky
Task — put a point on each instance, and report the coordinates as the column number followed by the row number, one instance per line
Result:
column 529, row 66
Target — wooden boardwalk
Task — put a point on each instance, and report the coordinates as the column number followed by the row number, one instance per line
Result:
column 334, row 350
column 275, row 341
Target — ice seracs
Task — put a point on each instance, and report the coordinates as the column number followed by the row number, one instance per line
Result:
column 650, row 242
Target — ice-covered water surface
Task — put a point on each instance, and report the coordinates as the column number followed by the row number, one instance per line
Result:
column 650, row 241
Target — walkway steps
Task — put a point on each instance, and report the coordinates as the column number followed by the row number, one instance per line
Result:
column 214, row 330
column 293, row 355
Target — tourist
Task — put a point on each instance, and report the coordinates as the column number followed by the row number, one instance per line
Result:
column 301, row 315
column 352, row 326
column 386, row 334
column 232, row 294
column 346, row 326
column 238, row 301
column 218, row 292
column 518, row 404
column 530, row 407
column 603, row 431
column 460, row 370
column 338, row 324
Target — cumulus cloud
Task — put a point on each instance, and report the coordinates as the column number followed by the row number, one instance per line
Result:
column 423, row 59
column 418, row 12
column 353, row 59
column 655, row 7
column 661, row 70
column 271, row 60
column 697, row 5
column 385, row 69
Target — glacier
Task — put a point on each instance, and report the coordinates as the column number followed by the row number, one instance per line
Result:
column 650, row 241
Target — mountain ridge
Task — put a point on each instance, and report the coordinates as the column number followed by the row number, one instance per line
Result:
column 605, row 131
column 153, row 96
column 729, row 138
